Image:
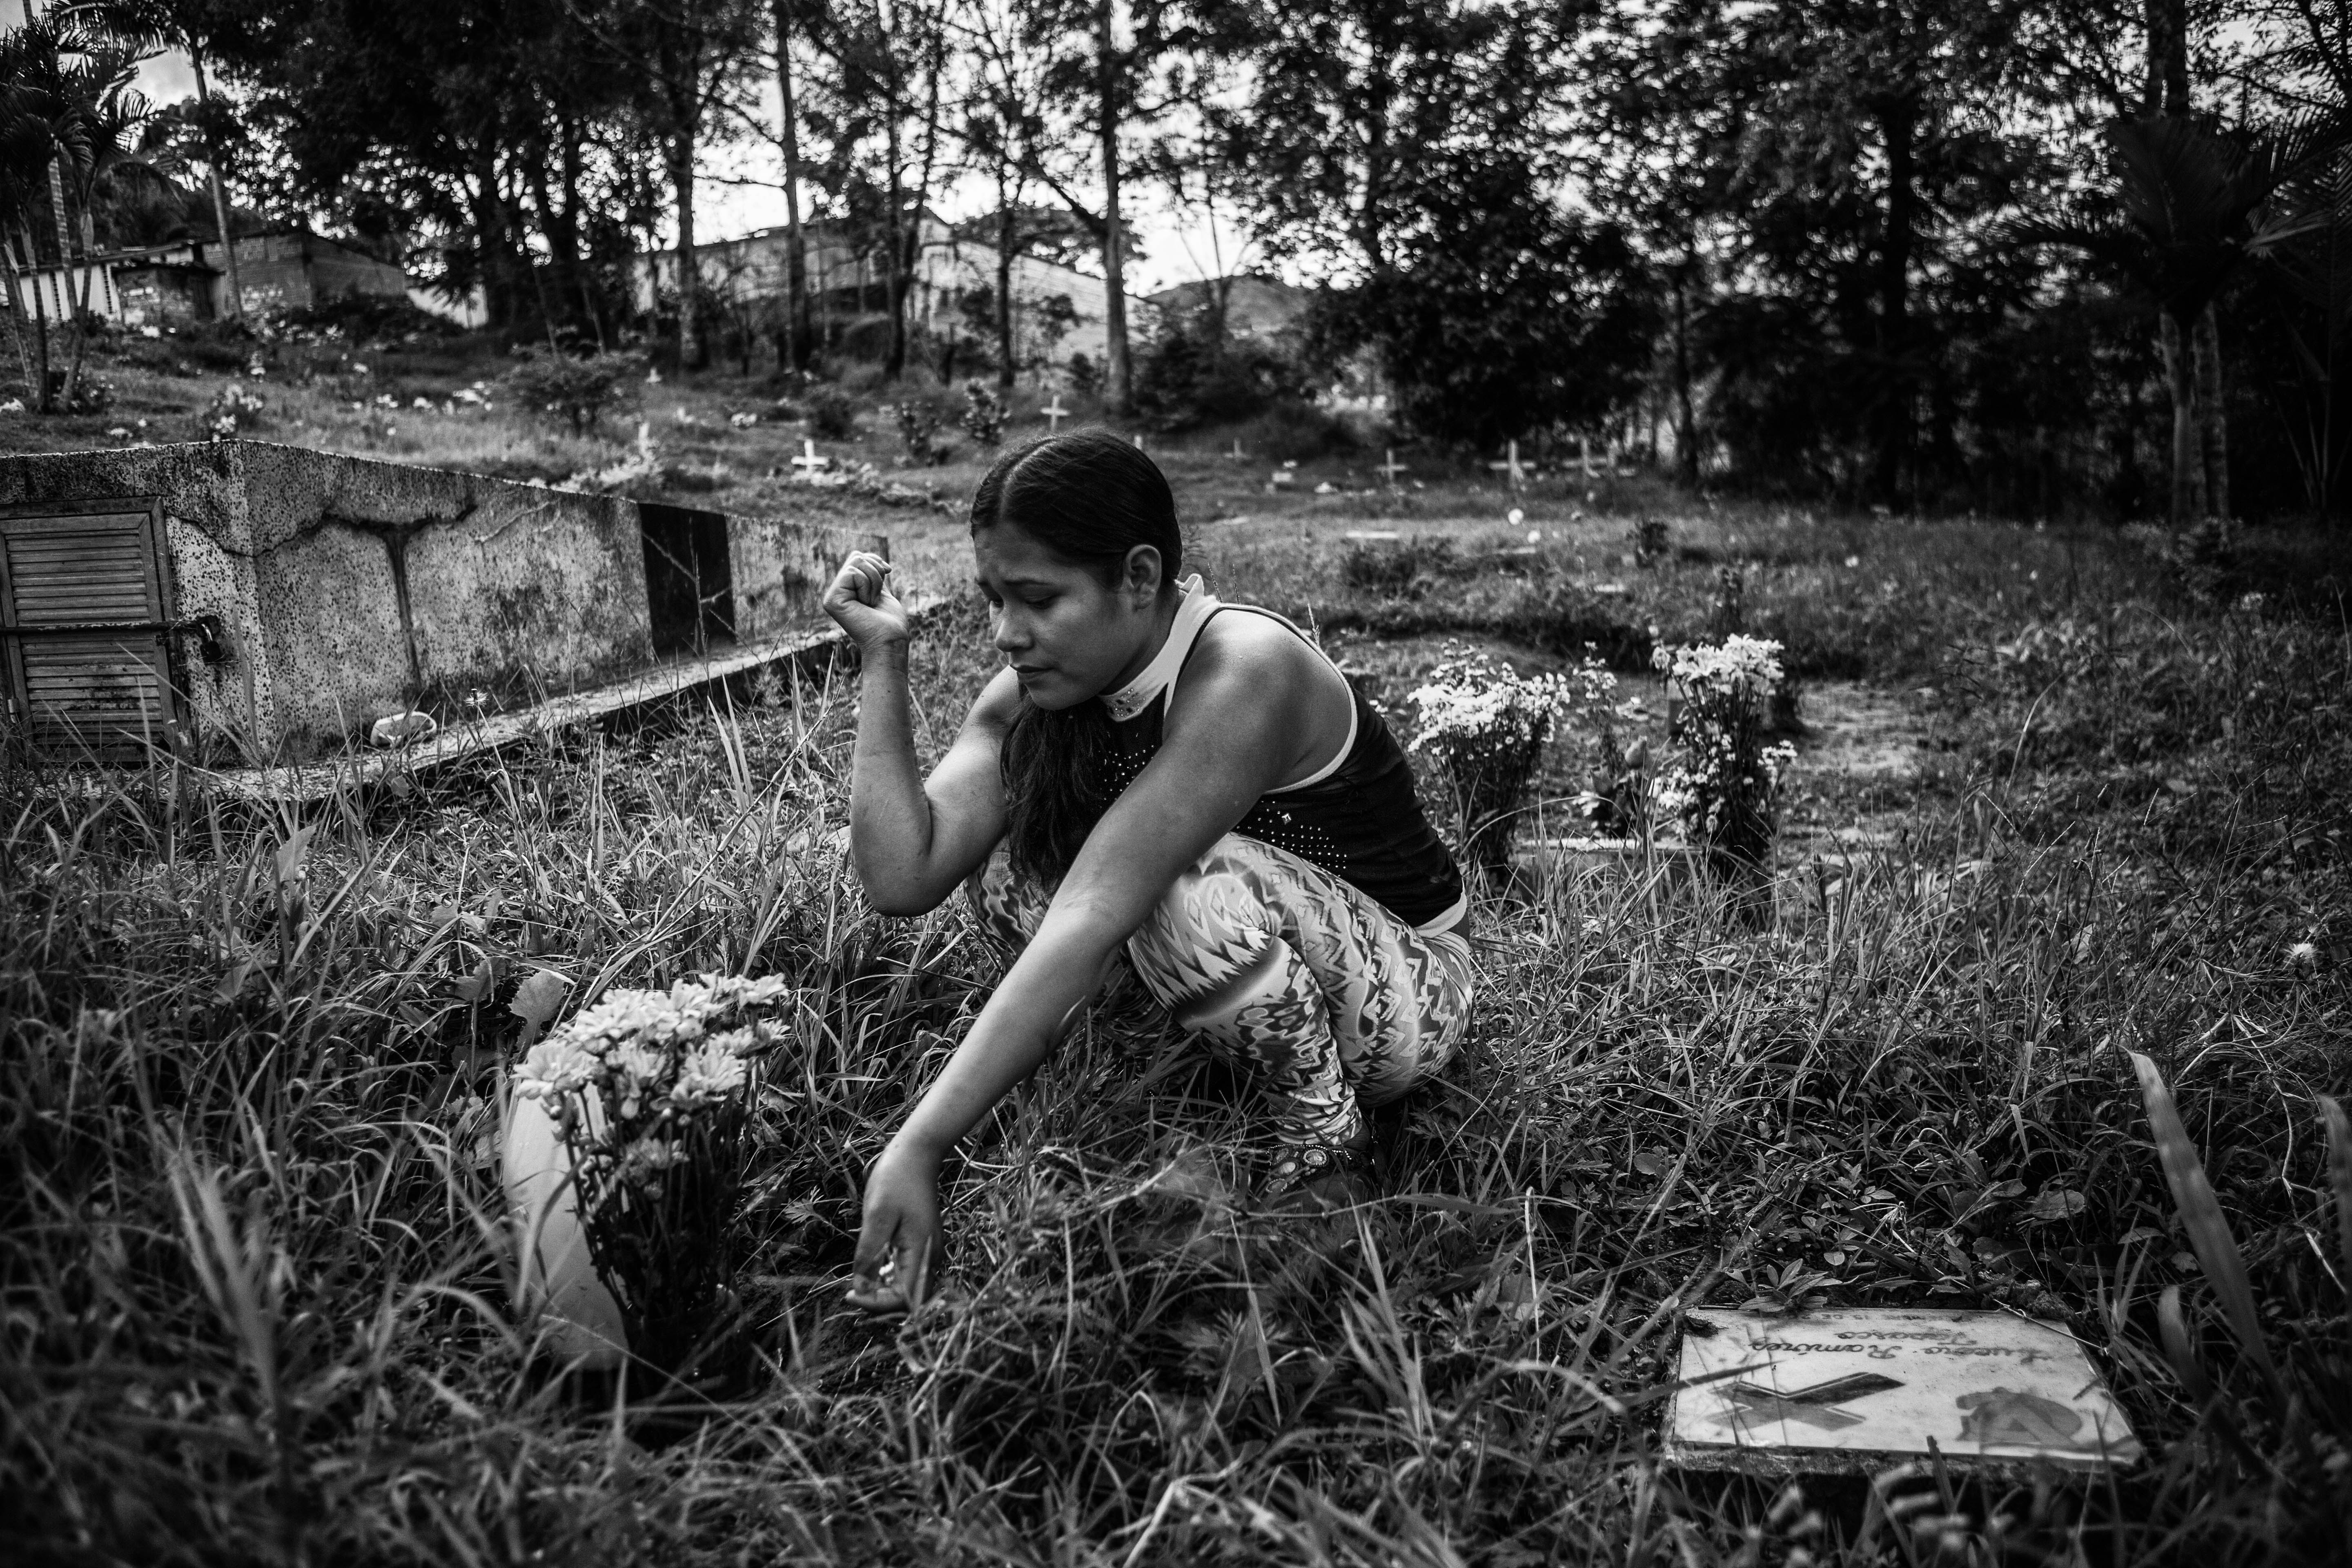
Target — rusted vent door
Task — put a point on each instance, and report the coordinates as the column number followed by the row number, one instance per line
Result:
column 82, row 630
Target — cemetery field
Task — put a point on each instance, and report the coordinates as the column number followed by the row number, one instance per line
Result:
column 2063, row 797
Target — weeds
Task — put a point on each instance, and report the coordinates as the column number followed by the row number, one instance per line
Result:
column 259, row 1306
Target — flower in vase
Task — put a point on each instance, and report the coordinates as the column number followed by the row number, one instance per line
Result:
column 556, row 1067
column 709, row 1072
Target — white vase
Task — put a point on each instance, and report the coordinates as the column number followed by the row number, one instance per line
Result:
column 580, row 1320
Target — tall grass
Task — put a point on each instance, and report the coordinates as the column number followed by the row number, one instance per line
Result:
column 259, row 1305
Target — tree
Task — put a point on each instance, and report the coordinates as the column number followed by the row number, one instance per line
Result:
column 202, row 28
column 69, row 118
column 1348, row 97
column 1002, row 125
column 796, row 338
column 2189, row 203
column 1500, row 314
column 684, row 56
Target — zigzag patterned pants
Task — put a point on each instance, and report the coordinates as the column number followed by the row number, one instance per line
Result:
column 1274, row 963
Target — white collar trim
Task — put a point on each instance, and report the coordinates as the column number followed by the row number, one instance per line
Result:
column 1161, row 674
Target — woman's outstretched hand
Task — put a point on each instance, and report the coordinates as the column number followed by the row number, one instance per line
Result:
column 901, row 1231
column 861, row 603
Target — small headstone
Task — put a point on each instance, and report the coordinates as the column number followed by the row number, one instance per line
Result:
column 1831, row 1390
column 1373, row 536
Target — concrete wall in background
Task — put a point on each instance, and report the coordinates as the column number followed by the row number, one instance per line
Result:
column 347, row 589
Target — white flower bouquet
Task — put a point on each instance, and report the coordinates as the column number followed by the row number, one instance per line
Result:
column 650, row 1092
column 1724, row 786
column 1487, row 726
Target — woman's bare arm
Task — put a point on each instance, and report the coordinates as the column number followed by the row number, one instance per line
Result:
column 1232, row 735
column 913, row 839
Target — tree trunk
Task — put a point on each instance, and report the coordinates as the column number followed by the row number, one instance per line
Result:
column 690, row 351
column 490, row 236
column 17, row 333
column 2212, row 414
column 913, row 261
column 2168, row 56
column 795, row 245
column 895, row 246
column 2188, row 464
column 220, row 197
column 562, row 250
column 1118, row 386
column 1008, row 226
column 41, row 388
column 1686, row 423
column 80, row 299
column 1898, row 119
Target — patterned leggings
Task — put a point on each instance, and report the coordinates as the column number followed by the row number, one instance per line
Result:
column 1273, row 963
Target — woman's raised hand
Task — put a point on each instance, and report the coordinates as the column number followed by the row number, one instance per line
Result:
column 861, row 603
column 901, row 1231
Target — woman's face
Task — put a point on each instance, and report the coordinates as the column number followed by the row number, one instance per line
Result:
column 1069, row 637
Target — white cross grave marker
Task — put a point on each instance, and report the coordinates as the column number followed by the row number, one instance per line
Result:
column 1237, row 454
column 1055, row 414
column 1510, row 465
column 1138, row 440
column 808, row 462
column 1391, row 468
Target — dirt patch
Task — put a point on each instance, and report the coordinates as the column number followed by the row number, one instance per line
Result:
column 1857, row 732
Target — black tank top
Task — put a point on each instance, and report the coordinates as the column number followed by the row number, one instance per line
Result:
column 1357, row 818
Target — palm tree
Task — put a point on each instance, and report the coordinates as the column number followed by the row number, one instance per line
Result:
column 2311, row 255
column 105, row 112
column 32, row 115
column 2192, row 200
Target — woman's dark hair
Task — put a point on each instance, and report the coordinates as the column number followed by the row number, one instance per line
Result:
column 1090, row 498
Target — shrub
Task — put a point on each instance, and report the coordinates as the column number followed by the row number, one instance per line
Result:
column 1194, row 374
column 576, row 391
column 234, row 411
column 919, row 429
column 363, row 317
column 1405, row 570
column 984, row 414
column 831, row 413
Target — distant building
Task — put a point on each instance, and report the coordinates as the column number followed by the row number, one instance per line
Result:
column 294, row 269
column 1255, row 306
column 280, row 269
column 1057, row 310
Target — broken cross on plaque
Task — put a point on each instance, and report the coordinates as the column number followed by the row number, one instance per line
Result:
column 1844, row 1390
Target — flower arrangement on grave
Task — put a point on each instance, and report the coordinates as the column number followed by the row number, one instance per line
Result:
column 1723, row 784
column 1487, row 726
column 1616, row 792
column 651, row 1093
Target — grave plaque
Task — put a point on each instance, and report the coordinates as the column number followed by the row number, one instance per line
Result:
column 1856, row 1390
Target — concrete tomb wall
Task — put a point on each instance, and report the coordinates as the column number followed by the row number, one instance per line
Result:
column 341, row 589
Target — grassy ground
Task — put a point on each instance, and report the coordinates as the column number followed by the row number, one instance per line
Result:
column 256, row 1295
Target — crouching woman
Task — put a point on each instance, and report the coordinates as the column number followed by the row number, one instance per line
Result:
column 1191, row 781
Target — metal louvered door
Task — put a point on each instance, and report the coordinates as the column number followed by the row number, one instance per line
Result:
column 82, row 628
